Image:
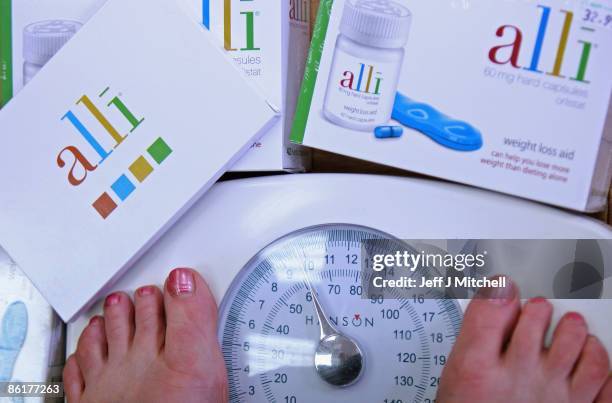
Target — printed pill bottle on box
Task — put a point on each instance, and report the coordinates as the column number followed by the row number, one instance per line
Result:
column 367, row 63
column 41, row 41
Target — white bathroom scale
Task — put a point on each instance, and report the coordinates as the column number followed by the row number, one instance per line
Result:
column 265, row 244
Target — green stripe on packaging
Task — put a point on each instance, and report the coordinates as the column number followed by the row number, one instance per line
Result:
column 312, row 70
column 6, row 53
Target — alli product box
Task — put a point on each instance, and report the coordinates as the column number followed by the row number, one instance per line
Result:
column 510, row 96
column 255, row 34
column 269, row 41
column 105, row 149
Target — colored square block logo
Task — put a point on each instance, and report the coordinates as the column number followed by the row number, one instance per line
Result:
column 141, row 169
column 123, row 187
column 104, row 205
column 159, row 150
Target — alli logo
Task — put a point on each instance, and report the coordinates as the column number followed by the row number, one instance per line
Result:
column 248, row 42
column 299, row 11
column 513, row 49
column 364, row 82
column 81, row 166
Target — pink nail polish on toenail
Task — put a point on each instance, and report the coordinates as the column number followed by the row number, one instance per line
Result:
column 181, row 282
column 145, row 291
column 575, row 316
column 112, row 299
column 502, row 294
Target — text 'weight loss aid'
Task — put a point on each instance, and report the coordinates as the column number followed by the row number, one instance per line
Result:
column 366, row 64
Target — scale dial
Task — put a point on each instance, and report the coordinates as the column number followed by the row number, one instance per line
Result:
column 270, row 334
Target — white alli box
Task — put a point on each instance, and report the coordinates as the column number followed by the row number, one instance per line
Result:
column 104, row 149
column 267, row 40
column 506, row 95
column 256, row 35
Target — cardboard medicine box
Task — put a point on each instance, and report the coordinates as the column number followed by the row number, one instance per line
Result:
column 509, row 96
column 269, row 40
column 111, row 156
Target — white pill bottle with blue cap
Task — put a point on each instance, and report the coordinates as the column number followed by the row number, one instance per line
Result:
column 367, row 63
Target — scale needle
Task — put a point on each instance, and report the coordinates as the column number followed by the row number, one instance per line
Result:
column 338, row 359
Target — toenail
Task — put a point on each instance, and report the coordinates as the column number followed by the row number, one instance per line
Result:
column 146, row 291
column 112, row 299
column 574, row 316
column 538, row 300
column 181, row 282
column 95, row 321
column 501, row 294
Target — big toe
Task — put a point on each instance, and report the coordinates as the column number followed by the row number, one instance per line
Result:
column 487, row 325
column 191, row 327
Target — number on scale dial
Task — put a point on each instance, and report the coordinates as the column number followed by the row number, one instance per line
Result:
column 277, row 350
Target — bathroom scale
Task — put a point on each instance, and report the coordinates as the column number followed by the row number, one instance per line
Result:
column 280, row 254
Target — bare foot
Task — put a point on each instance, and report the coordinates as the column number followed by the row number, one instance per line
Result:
column 162, row 348
column 500, row 356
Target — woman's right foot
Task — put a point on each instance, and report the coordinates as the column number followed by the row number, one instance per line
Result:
column 500, row 355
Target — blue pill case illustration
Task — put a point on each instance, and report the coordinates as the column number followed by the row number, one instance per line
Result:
column 451, row 133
